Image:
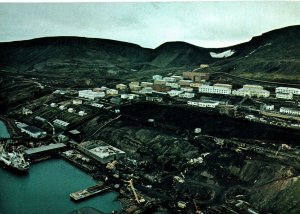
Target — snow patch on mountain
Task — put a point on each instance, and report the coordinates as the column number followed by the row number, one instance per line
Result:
column 224, row 54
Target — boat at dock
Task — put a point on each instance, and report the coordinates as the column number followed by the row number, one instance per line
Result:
column 14, row 160
column 90, row 191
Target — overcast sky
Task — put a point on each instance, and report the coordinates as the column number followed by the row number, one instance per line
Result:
column 206, row 24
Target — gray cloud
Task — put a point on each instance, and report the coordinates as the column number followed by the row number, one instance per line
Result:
column 206, row 24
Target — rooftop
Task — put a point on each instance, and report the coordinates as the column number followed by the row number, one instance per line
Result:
column 33, row 129
column 44, row 148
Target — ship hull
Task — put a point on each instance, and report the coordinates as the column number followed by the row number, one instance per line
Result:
column 14, row 169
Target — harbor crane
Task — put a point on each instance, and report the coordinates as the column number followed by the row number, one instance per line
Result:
column 138, row 200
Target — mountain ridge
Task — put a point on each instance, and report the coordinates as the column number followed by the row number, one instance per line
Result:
column 276, row 52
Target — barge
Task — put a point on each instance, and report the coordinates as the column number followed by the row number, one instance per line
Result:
column 89, row 192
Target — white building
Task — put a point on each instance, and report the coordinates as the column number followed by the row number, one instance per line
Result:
column 288, row 90
column 121, row 86
column 267, row 107
column 71, row 110
column 97, row 105
column 187, row 95
column 195, row 85
column 53, row 105
column 77, row 102
column 146, row 84
column 223, row 85
column 206, row 104
column 185, row 82
column 173, row 85
column 257, row 87
column 174, row 93
column 62, row 107
column 214, row 89
column 177, row 77
column 157, row 77
column 291, row 111
column 60, row 123
column 285, row 96
column 146, row 90
column 89, row 94
column 187, row 89
column 169, row 79
column 124, row 96
column 112, row 92
column 82, row 113
column 251, row 91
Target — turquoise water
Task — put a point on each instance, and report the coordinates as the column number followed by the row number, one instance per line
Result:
column 3, row 130
column 46, row 189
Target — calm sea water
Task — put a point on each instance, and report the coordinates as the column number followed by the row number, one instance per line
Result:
column 46, row 189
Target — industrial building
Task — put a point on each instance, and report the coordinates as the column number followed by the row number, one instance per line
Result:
column 100, row 151
column 290, row 111
column 288, row 90
column 214, row 89
column 89, row 94
column 42, row 150
column 33, row 131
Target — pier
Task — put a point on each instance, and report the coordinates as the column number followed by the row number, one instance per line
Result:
column 90, row 191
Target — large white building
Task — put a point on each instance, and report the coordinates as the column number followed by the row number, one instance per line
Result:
column 89, row 94
column 291, row 111
column 206, row 104
column 288, row 90
column 251, row 91
column 214, row 89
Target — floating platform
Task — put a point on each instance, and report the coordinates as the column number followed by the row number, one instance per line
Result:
column 90, row 191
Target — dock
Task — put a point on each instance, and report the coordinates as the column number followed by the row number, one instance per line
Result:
column 90, row 191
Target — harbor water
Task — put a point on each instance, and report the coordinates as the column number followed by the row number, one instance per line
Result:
column 3, row 130
column 46, row 189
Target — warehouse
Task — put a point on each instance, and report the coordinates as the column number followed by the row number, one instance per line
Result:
column 33, row 131
column 100, row 151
